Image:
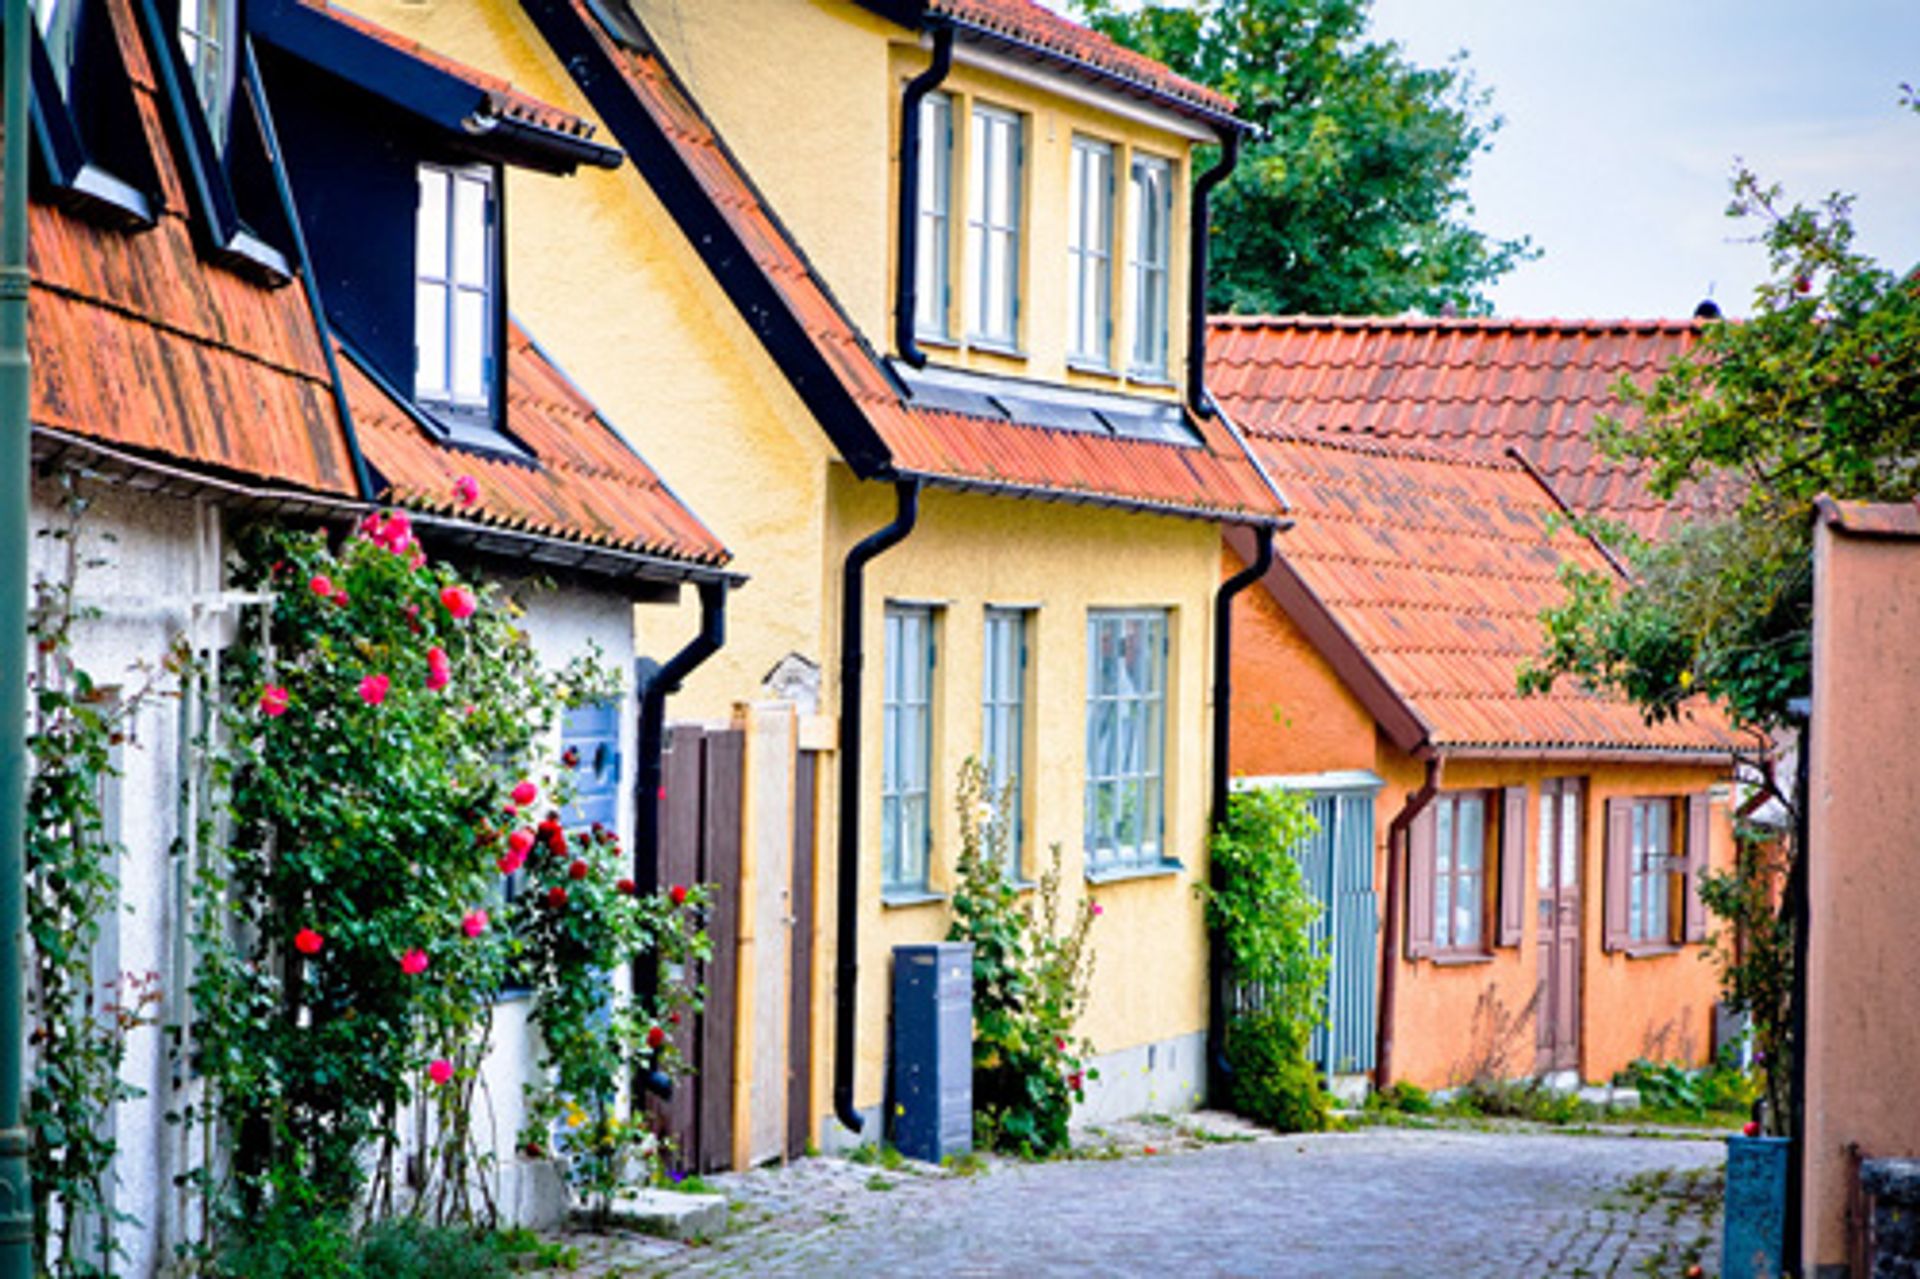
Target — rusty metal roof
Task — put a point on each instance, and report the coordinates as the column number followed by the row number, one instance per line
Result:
column 584, row 483
column 877, row 427
column 1471, row 386
column 1427, row 574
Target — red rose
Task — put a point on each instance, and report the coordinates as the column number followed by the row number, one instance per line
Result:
column 520, row 842
column 525, row 793
column 556, row 897
column 459, row 601
column 320, row 584
column 373, row 689
column 578, row 870
column 677, row 894
column 308, row 942
column 655, row 1037
column 674, row 1016
column 626, row 886
column 414, row 962
column 1752, row 1128
column 273, row 701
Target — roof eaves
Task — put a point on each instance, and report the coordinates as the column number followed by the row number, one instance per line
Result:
column 1089, row 497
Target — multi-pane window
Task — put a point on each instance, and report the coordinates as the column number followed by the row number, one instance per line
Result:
column 1650, row 870
column 1090, row 253
column 59, row 26
column 933, row 267
column 993, row 226
column 906, row 827
column 1004, row 723
column 1126, row 737
column 1150, row 214
column 453, row 287
column 1460, row 871
column 207, row 38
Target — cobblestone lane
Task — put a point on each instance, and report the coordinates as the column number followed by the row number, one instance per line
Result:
column 1377, row 1202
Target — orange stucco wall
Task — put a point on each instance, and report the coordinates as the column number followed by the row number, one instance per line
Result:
column 1294, row 715
column 1863, row 1037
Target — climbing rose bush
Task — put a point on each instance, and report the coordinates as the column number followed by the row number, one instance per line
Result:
column 378, row 743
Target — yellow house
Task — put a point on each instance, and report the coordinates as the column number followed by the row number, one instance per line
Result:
column 979, row 498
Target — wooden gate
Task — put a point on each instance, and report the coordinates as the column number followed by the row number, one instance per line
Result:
column 700, row 843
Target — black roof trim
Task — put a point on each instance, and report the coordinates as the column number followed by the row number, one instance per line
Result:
column 1025, row 402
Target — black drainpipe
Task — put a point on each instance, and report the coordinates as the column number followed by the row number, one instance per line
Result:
column 1197, row 226
column 654, row 691
column 1799, row 909
column 853, row 583
column 907, row 233
column 1217, row 1067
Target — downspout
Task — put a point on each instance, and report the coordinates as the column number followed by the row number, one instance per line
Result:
column 1197, row 227
column 1390, row 932
column 906, row 299
column 16, row 425
column 654, row 691
column 1799, row 908
column 852, row 659
column 1217, row 1068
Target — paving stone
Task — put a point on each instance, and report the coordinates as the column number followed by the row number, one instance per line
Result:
column 1218, row 1197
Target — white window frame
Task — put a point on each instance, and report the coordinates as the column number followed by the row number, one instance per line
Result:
column 1150, row 267
column 906, row 750
column 59, row 22
column 933, row 252
column 207, row 37
column 1003, row 723
column 458, row 384
column 995, row 165
column 1090, row 253
column 1126, row 739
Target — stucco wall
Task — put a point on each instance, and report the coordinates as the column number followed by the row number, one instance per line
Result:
column 1863, row 1038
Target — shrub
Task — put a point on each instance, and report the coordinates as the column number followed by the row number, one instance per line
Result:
column 1030, row 982
column 1272, row 1080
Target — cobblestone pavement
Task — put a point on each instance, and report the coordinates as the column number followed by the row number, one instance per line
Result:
column 1215, row 1200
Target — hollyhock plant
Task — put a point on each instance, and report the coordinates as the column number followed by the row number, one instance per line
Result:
column 273, row 701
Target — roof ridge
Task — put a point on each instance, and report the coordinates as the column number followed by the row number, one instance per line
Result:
column 1459, row 323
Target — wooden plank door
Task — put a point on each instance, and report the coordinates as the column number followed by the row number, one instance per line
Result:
column 1557, row 1010
column 800, row 990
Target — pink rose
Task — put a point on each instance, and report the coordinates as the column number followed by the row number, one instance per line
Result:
column 1098, row 909
column 475, row 923
column 273, row 701
column 459, row 601
column 320, row 584
column 373, row 689
column 510, row 861
column 525, row 793
column 520, row 842
column 414, row 962
column 440, row 1071
column 467, row 490
column 439, row 669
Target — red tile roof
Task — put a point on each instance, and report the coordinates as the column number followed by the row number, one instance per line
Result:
column 586, row 484
column 140, row 344
column 1035, row 24
column 500, row 97
column 1215, row 480
column 1432, row 572
column 1468, row 385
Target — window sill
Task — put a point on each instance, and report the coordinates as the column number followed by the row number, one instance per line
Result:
column 1157, row 381
column 906, row 898
column 1461, row 959
column 1092, row 369
column 1650, row 949
column 986, row 346
column 1120, row 874
column 940, row 340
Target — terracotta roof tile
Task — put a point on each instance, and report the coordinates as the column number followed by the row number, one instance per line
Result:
column 139, row 343
column 1872, row 519
column 1472, row 385
column 500, row 96
column 1215, row 479
column 1437, row 569
column 585, row 485
column 1037, row 25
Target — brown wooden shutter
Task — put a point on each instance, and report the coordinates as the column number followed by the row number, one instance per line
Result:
column 1513, row 866
column 1420, row 840
column 1619, row 851
column 1699, row 836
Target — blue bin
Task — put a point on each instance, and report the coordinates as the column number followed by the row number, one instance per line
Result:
column 1753, row 1233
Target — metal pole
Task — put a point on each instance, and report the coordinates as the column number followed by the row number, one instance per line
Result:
column 16, row 1198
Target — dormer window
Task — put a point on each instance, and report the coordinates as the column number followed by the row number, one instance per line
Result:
column 59, row 31
column 1150, row 214
column 993, row 226
column 207, row 38
column 1090, row 254
column 454, row 285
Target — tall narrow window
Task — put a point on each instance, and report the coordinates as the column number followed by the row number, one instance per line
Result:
column 993, row 226
column 207, row 37
column 906, row 826
column 59, row 28
column 1460, row 871
column 1126, row 737
column 453, row 306
column 1004, row 724
column 1090, row 254
column 932, row 264
column 1650, row 872
column 1150, row 213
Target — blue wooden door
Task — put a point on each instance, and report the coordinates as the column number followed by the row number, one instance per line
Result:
column 1337, row 863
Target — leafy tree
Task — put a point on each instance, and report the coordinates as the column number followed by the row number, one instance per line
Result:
column 1351, row 199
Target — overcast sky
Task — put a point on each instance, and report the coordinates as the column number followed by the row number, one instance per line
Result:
column 1623, row 119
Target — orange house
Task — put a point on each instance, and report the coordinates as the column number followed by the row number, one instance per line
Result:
column 1511, row 879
